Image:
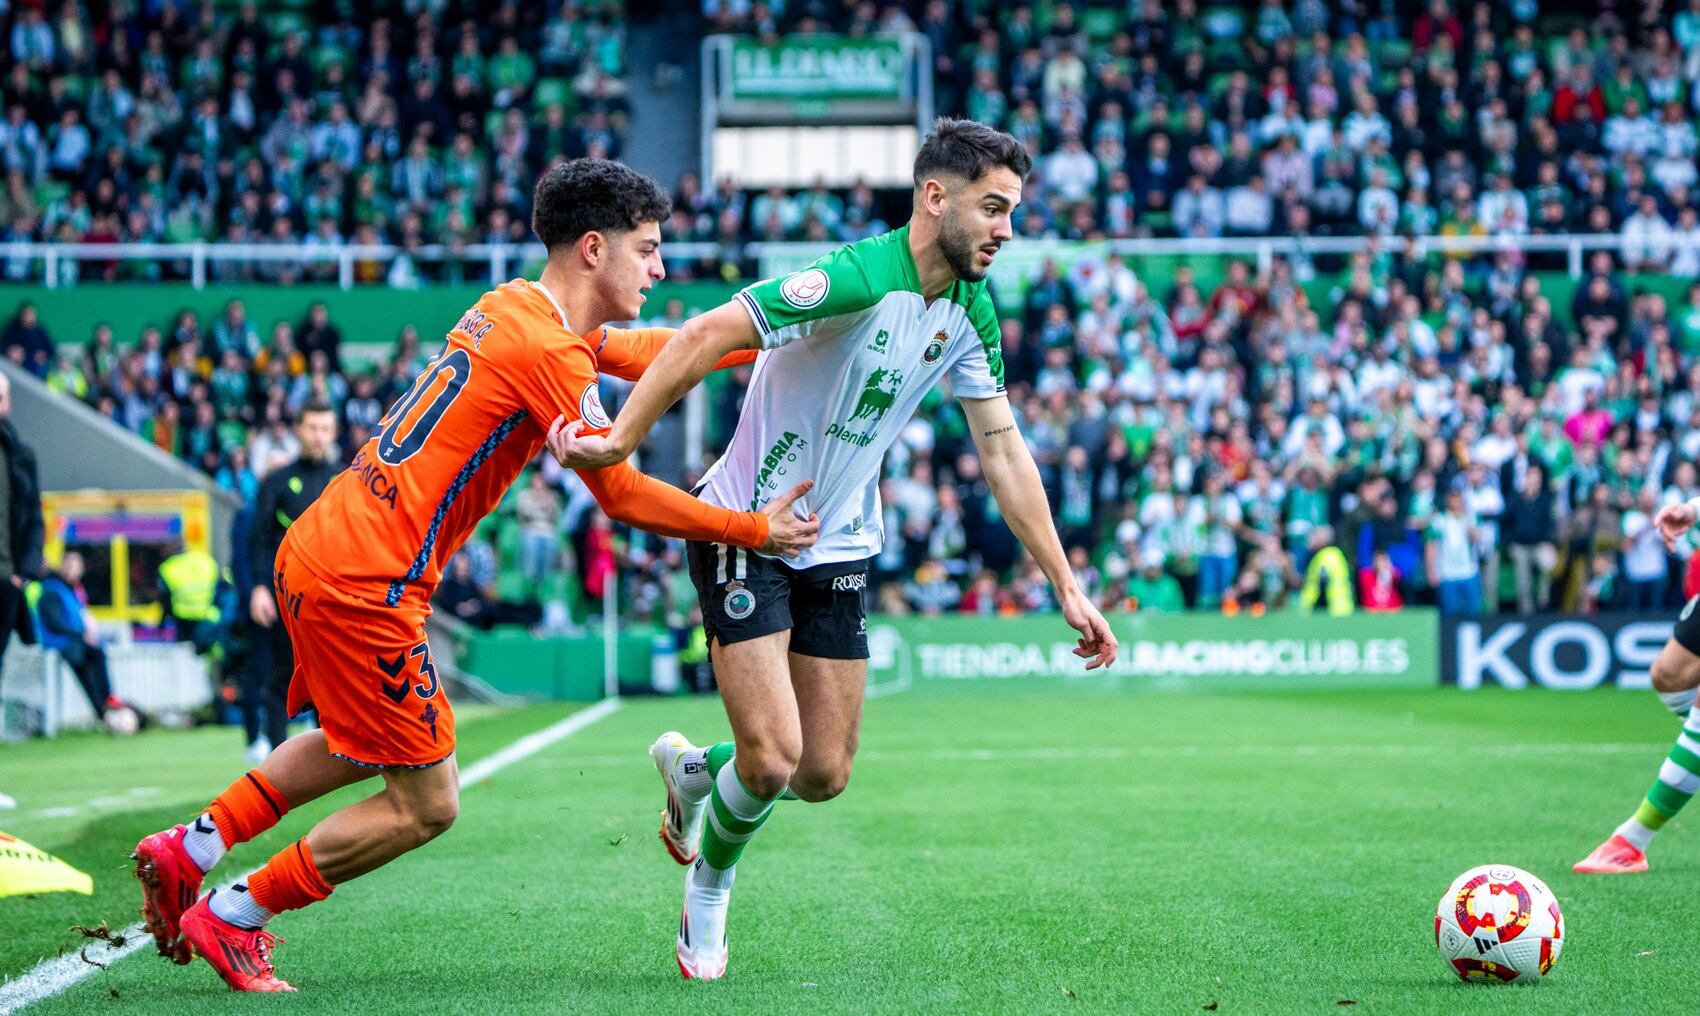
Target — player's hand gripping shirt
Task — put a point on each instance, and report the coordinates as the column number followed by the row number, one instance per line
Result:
column 849, row 349
column 452, row 445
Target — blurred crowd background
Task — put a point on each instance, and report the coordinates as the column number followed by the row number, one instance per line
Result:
column 1417, row 422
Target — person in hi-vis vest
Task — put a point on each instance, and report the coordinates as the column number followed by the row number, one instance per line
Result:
column 1327, row 568
column 189, row 585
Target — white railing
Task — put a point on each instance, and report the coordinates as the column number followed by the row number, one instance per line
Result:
column 779, row 258
column 58, row 262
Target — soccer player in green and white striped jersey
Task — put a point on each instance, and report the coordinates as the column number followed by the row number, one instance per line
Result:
column 850, row 346
column 1676, row 674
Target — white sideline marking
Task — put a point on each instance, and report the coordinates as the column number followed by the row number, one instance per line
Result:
column 1261, row 751
column 108, row 803
column 531, row 744
column 50, row 977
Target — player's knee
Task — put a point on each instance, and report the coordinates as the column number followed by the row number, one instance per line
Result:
column 767, row 769
column 1672, row 675
column 431, row 817
column 815, row 787
column 766, row 781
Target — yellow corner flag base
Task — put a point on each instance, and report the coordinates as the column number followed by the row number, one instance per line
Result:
column 26, row 869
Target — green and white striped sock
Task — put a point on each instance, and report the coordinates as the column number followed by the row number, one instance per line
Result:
column 698, row 767
column 1679, row 778
column 734, row 817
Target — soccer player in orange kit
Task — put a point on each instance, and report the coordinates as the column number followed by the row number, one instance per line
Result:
column 355, row 573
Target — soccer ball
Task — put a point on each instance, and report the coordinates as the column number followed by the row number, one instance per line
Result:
column 1499, row 923
column 122, row 721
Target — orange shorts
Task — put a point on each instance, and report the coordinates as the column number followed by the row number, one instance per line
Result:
column 366, row 668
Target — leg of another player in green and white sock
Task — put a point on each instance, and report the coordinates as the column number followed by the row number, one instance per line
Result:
column 1675, row 674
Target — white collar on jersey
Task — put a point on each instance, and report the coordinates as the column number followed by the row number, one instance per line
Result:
column 541, row 288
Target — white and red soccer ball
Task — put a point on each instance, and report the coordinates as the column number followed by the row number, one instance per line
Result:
column 1499, row 924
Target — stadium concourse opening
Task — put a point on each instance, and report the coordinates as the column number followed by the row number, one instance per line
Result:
column 1354, row 344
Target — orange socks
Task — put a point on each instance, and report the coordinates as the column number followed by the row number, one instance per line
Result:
column 290, row 880
column 247, row 808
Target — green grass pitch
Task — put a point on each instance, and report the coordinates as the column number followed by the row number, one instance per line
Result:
column 1009, row 852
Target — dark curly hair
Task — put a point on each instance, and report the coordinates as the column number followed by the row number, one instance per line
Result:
column 594, row 195
column 969, row 149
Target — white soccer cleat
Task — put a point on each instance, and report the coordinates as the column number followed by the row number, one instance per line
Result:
column 702, row 931
column 7, row 802
column 258, row 750
column 681, row 820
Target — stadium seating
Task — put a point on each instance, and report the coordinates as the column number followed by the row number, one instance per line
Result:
column 1414, row 364
column 148, row 127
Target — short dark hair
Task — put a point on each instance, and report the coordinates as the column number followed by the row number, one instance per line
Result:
column 969, row 149
column 594, row 195
column 316, row 406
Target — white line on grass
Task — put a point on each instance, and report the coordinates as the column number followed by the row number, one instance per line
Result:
column 50, row 977
column 531, row 744
column 1260, row 751
column 1275, row 751
column 108, row 803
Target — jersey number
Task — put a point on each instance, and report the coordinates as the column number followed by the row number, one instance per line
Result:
column 427, row 670
column 395, row 448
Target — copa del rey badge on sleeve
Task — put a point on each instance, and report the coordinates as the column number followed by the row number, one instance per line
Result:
column 26, row 869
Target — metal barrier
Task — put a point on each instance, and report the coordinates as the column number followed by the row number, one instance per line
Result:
column 160, row 677
column 40, row 695
column 59, row 262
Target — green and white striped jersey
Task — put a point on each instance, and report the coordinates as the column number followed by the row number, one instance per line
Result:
column 849, row 348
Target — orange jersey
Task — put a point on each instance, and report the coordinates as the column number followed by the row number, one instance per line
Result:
column 450, row 447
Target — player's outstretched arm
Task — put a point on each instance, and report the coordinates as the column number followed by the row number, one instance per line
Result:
column 1014, row 479
column 643, row 502
column 627, row 353
column 1675, row 519
column 683, row 362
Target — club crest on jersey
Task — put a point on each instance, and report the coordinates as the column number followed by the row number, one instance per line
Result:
column 879, row 392
column 740, row 602
column 590, row 407
column 935, row 348
column 805, row 289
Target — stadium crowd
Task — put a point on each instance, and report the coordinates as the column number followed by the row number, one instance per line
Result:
column 1363, row 432
column 1187, row 120
column 1190, row 119
column 287, row 124
column 1424, row 430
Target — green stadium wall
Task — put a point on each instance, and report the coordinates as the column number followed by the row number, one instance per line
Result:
column 1158, row 652
column 371, row 317
column 958, row 654
column 565, row 669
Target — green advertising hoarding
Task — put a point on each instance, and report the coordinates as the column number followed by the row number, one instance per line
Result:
column 817, row 69
column 1158, row 651
column 370, row 317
